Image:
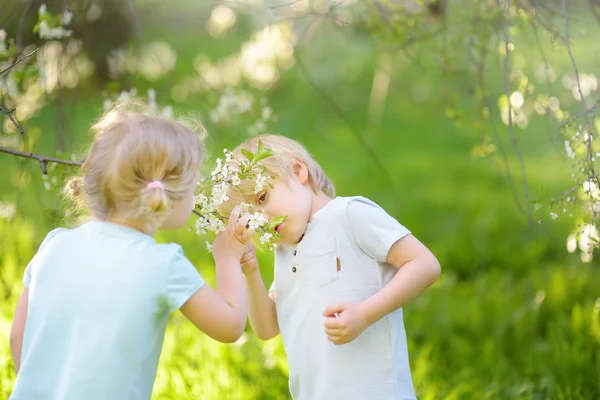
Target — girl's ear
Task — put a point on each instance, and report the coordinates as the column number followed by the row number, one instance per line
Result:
column 301, row 172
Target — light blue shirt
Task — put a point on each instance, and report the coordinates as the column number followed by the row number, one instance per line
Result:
column 99, row 300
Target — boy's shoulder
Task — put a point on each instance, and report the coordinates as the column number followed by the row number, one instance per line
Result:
column 344, row 207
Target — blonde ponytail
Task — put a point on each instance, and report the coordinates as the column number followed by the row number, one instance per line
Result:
column 154, row 198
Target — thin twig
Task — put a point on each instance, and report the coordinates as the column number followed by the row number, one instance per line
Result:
column 547, row 25
column 21, row 59
column 12, row 119
column 291, row 3
column 586, row 112
column 486, row 102
column 562, row 195
column 582, row 98
column 356, row 133
column 510, row 119
column 575, row 117
column 44, row 160
column 20, row 28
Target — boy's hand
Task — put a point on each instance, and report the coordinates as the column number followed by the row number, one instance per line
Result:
column 232, row 242
column 249, row 261
column 344, row 322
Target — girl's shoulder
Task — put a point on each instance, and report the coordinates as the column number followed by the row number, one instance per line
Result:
column 51, row 235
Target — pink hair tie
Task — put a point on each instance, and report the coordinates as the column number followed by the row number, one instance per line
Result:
column 156, row 185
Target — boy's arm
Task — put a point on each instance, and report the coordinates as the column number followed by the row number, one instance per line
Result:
column 384, row 239
column 417, row 267
column 262, row 313
column 261, row 307
column 18, row 328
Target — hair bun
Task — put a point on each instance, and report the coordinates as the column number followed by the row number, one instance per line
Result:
column 74, row 187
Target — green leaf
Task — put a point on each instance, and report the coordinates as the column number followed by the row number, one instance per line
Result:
column 277, row 221
column 265, row 153
column 248, row 154
column 260, row 148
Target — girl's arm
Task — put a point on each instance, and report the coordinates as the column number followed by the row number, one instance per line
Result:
column 18, row 328
column 222, row 314
column 417, row 267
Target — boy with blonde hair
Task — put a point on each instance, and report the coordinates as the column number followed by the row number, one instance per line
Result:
column 343, row 270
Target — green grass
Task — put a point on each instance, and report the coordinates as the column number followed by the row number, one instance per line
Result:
column 514, row 316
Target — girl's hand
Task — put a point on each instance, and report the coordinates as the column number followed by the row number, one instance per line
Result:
column 233, row 241
column 249, row 261
column 344, row 322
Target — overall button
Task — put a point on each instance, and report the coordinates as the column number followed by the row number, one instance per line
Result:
column 294, row 269
column 295, row 252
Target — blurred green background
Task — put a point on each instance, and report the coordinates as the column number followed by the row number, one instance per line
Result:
column 397, row 107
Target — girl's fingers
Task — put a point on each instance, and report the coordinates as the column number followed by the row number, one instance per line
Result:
column 241, row 225
column 247, row 235
column 233, row 218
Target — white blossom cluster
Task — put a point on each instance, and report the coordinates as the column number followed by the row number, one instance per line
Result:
column 226, row 176
column 51, row 28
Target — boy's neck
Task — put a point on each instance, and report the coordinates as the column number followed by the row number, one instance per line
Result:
column 319, row 201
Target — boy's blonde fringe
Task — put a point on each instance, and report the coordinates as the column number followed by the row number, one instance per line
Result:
column 286, row 152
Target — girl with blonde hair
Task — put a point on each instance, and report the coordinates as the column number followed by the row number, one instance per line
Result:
column 90, row 322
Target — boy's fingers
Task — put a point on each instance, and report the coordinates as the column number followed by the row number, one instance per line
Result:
column 332, row 323
column 333, row 331
column 333, row 309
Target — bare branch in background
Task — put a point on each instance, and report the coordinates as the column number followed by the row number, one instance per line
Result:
column 486, row 103
column 592, row 176
column 20, row 28
column 355, row 131
column 13, row 120
column 511, row 128
column 291, row 3
column 577, row 116
column 547, row 70
column 43, row 160
column 586, row 111
column 19, row 60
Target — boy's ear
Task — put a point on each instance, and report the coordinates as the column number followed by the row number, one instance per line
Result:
column 301, row 172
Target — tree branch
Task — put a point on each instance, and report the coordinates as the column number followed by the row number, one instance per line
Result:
column 510, row 119
column 291, row 3
column 575, row 117
column 486, row 103
column 356, row 133
column 12, row 119
column 582, row 98
column 590, row 122
column 20, row 28
column 43, row 160
column 21, row 59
